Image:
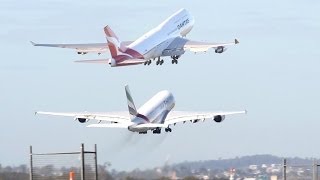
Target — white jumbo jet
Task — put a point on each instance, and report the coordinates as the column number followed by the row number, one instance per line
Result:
column 167, row 39
column 153, row 115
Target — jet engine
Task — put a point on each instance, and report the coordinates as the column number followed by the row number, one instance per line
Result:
column 82, row 52
column 82, row 120
column 219, row 118
column 196, row 120
column 220, row 49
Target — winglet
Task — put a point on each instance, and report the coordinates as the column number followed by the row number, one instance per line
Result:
column 33, row 43
column 236, row 41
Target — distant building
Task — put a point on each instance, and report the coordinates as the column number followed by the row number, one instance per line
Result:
column 203, row 177
column 253, row 167
column 273, row 177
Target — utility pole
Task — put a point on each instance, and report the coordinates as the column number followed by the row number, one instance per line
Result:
column 96, row 160
column 284, row 175
column 82, row 162
column 31, row 164
column 315, row 170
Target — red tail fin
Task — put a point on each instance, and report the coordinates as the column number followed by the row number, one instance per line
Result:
column 113, row 42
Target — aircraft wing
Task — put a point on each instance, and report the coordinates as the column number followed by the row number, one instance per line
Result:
column 180, row 116
column 83, row 48
column 197, row 46
column 116, row 117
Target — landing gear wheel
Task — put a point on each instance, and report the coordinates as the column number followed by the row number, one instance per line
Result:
column 157, row 131
column 159, row 62
column 174, row 61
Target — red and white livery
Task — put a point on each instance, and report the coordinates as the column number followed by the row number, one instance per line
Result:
column 167, row 39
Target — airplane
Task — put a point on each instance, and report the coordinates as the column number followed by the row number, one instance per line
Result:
column 152, row 116
column 167, row 39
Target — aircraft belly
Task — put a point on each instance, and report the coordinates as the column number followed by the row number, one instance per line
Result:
column 139, row 129
column 175, row 48
column 161, row 117
column 157, row 51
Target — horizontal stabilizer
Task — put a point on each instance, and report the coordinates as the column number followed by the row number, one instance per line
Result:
column 151, row 125
column 115, row 125
column 131, row 62
column 94, row 61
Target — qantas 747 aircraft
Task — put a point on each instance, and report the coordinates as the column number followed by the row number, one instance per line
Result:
column 167, row 39
column 153, row 115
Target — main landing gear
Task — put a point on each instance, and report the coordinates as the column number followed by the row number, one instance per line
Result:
column 159, row 62
column 168, row 129
column 157, row 131
column 175, row 59
column 147, row 62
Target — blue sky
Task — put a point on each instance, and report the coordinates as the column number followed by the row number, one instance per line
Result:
column 273, row 73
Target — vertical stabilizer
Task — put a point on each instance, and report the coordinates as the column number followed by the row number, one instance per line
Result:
column 113, row 42
column 131, row 106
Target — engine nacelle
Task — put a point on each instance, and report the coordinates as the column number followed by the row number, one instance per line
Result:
column 220, row 49
column 196, row 120
column 82, row 120
column 112, row 62
column 219, row 118
column 82, row 52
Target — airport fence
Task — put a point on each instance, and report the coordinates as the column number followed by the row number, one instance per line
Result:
column 80, row 165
